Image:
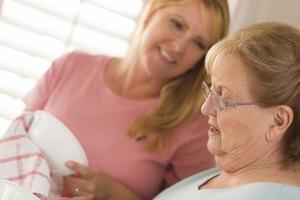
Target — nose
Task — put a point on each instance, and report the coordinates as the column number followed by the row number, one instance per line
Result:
column 208, row 108
column 179, row 44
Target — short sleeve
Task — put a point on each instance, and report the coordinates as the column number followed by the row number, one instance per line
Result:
column 192, row 156
column 38, row 96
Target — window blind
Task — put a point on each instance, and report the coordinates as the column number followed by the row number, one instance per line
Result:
column 35, row 32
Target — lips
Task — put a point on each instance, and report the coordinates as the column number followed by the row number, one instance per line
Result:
column 213, row 131
column 167, row 57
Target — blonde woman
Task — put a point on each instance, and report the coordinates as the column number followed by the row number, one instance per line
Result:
column 137, row 117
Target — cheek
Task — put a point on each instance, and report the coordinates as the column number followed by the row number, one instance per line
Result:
column 145, row 40
column 147, row 37
column 237, row 131
column 191, row 57
column 156, row 34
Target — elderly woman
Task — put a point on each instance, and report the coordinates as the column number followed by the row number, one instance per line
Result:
column 253, row 108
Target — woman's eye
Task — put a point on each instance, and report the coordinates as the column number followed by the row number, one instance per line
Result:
column 199, row 44
column 228, row 103
column 177, row 24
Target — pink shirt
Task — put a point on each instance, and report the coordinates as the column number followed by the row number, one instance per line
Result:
column 74, row 90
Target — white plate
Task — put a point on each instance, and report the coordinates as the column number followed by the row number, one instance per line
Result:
column 12, row 191
column 57, row 143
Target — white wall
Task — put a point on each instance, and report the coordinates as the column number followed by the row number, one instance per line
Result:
column 1, row 2
column 246, row 12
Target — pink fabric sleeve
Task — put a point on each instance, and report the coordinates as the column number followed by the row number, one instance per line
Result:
column 38, row 96
column 192, row 156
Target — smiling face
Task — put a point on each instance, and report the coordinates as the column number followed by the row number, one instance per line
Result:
column 237, row 135
column 175, row 38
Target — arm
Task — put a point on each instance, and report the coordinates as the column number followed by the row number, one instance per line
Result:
column 94, row 184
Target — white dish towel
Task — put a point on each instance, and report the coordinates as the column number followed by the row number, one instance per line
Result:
column 22, row 162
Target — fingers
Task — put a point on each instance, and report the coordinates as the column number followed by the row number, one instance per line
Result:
column 80, row 187
column 75, row 198
column 89, row 181
column 82, row 193
column 78, row 194
column 82, row 170
column 74, row 183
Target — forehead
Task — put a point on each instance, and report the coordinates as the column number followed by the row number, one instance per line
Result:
column 200, row 20
column 230, row 71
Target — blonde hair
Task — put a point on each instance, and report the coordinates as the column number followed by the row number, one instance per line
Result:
column 272, row 53
column 179, row 99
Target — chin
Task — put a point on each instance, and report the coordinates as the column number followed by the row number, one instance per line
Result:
column 156, row 73
column 215, row 148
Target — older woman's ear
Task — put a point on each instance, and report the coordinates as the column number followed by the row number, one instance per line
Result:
column 283, row 117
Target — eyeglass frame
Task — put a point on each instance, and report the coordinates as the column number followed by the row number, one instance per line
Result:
column 219, row 102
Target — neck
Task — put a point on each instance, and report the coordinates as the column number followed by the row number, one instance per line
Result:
column 128, row 78
column 241, row 169
column 265, row 154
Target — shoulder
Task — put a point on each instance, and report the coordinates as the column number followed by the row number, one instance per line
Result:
column 78, row 63
column 79, row 58
column 192, row 130
column 195, row 125
column 189, row 143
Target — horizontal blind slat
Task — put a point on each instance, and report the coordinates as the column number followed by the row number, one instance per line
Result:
column 10, row 107
column 97, row 18
column 64, row 8
column 15, row 85
column 89, row 39
column 130, row 8
column 28, row 41
column 35, row 19
column 21, row 63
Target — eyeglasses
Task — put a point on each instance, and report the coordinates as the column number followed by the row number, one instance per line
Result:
column 218, row 102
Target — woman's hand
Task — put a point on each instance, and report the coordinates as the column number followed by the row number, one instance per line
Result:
column 74, row 198
column 91, row 184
